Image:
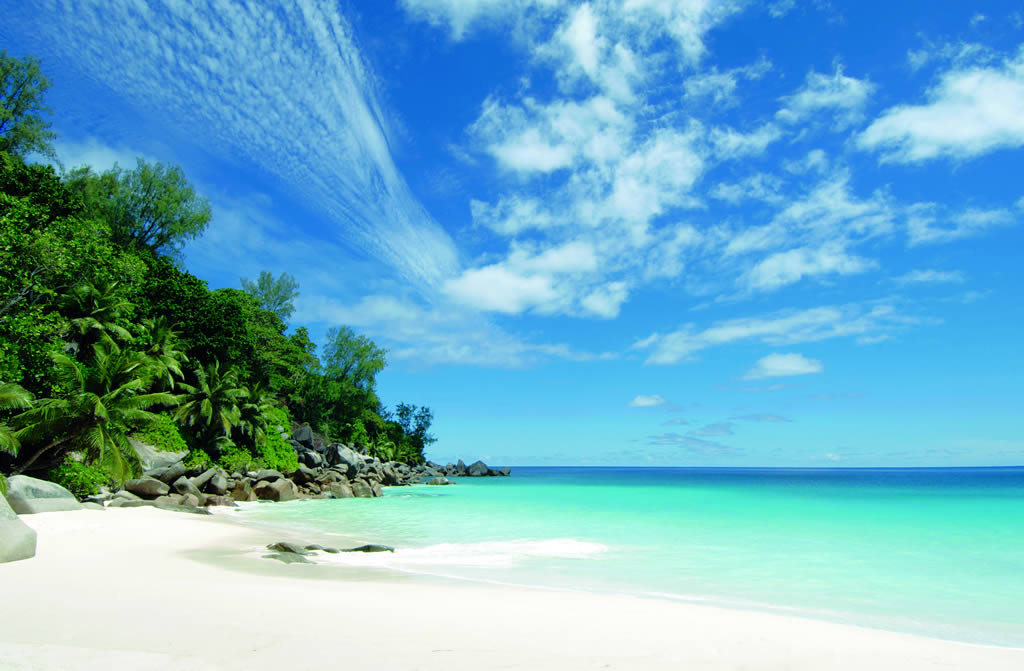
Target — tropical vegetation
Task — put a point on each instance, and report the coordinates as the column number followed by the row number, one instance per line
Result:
column 106, row 338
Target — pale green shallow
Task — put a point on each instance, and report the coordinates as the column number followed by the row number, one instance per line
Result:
column 938, row 552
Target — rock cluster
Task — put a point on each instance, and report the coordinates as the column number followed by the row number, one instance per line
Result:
column 296, row 553
column 461, row 470
column 326, row 470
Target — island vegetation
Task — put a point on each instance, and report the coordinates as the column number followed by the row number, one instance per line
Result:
column 105, row 336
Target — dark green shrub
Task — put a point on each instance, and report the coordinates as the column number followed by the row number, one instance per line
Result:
column 79, row 479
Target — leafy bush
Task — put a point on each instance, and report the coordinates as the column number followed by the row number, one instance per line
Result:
column 163, row 435
column 79, row 479
column 237, row 459
column 197, row 457
column 277, row 453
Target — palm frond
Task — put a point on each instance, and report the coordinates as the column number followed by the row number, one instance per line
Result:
column 14, row 397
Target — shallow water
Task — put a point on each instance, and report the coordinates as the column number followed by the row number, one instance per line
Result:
column 938, row 552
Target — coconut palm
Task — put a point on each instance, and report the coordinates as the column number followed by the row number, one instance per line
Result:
column 254, row 411
column 211, row 406
column 161, row 342
column 94, row 311
column 12, row 397
column 107, row 398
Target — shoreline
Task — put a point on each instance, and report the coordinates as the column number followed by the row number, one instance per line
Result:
column 162, row 589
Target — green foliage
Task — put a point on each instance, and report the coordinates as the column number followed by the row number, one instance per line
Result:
column 210, row 406
column 46, row 247
column 274, row 295
column 197, row 458
column 353, row 359
column 236, row 458
column 106, row 396
column 151, row 208
column 163, row 434
column 78, row 478
column 278, row 454
column 99, row 321
column 358, row 435
column 22, row 86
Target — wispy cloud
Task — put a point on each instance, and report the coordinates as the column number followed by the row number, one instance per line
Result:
column 783, row 365
column 690, row 444
column 716, row 429
column 782, row 328
column 930, row 277
column 928, row 224
column 226, row 74
column 843, row 97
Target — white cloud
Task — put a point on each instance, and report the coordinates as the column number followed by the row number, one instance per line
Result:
column 96, row 154
column 930, row 277
column 782, row 328
column 970, row 111
column 607, row 300
column 925, row 225
column 647, row 401
column 814, row 161
column 783, row 365
column 460, row 16
column 529, row 152
column 779, row 8
column 721, row 87
column 728, row 144
column 497, row 288
column 762, row 186
column 844, row 97
column 783, row 268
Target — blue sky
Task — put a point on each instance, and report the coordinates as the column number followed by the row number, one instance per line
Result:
column 650, row 232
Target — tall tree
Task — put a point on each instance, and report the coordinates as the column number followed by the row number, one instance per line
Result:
column 276, row 295
column 352, row 358
column 22, row 86
column 152, row 207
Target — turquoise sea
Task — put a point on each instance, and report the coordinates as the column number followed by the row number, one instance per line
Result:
column 938, row 552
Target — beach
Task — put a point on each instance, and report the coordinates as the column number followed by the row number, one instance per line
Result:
column 146, row 588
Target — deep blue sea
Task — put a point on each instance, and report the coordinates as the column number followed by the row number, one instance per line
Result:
column 938, row 552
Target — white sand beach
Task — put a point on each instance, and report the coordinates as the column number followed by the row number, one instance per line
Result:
column 143, row 588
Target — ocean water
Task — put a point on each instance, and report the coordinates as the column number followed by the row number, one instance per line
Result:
column 938, row 552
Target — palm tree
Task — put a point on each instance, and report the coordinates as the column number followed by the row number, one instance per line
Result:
column 105, row 401
column 12, row 397
column 162, row 342
column 253, row 421
column 211, row 406
column 94, row 311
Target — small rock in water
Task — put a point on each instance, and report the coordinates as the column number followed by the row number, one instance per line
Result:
column 333, row 551
column 372, row 547
column 286, row 546
column 314, row 546
column 288, row 558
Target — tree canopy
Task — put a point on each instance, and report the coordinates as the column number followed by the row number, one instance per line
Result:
column 22, row 87
column 152, row 207
column 274, row 294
